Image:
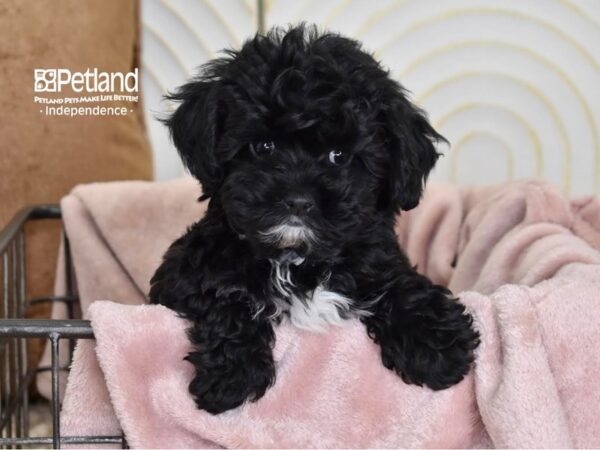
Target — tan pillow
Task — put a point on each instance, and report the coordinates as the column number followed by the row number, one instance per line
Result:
column 43, row 157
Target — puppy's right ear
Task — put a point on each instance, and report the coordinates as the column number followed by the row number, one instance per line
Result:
column 194, row 128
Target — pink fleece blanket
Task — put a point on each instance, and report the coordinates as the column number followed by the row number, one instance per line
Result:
column 524, row 259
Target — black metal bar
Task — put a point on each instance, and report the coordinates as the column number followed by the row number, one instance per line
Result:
column 68, row 274
column 51, row 298
column 2, row 409
column 49, row 368
column 68, row 329
column 23, row 342
column 22, row 280
column 30, row 213
column 14, row 329
column 5, row 282
column 16, row 347
column 69, row 286
column 63, row 440
column 7, row 426
column 54, row 339
column 13, row 403
column 3, row 348
column 23, row 394
column 1, row 400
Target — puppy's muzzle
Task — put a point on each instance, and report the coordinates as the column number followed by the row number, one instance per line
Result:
column 288, row 236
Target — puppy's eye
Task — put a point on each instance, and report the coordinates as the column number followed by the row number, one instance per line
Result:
column 263, row 148
column 338, row 157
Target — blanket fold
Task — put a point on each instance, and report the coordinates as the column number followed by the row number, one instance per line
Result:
column 523, row 257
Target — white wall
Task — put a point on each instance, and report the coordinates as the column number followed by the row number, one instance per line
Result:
column 177, row 37
column 513, row 84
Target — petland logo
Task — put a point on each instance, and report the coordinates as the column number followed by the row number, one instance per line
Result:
column 90, row 81
column 89, row 93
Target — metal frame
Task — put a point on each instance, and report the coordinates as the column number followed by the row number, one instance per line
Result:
column 15, row 329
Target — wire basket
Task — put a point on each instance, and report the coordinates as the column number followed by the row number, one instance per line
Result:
column 16, row 330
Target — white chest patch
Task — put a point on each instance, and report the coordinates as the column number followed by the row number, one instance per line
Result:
column 320, row 310
column 315, row 310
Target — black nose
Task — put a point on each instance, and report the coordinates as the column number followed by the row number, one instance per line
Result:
column 299, row 205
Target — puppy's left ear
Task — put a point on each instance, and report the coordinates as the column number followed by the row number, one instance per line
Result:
column 410, row 140
column 194, row 128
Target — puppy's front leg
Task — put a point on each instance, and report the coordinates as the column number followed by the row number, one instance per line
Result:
column 425, row 334
column 204, row 277
column 233, row 356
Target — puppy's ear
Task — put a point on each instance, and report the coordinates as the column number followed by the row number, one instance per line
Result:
column 410, row 140
column 194, row 128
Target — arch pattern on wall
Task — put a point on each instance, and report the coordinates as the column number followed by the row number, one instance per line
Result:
column 511, row 84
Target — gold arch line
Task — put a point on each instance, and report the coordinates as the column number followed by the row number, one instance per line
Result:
column 544, row 62
column 372, row 19
column 187, row 25
column 458, row 12
column 549, row 106
column 468, row 136
column 537, row 147
column 336, row 12
column 162, row 89
column 152, row 74
column 166, row 45
column 228, row 29
column 577, row 10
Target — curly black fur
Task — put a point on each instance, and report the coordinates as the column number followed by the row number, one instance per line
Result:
column 306, row 131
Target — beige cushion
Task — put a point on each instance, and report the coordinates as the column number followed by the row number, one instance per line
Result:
column 43, row 157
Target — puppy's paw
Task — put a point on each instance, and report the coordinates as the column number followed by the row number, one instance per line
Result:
column 223, row 385
column 434, row 342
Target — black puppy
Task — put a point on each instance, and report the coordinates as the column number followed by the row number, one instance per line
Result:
column 308, row 150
